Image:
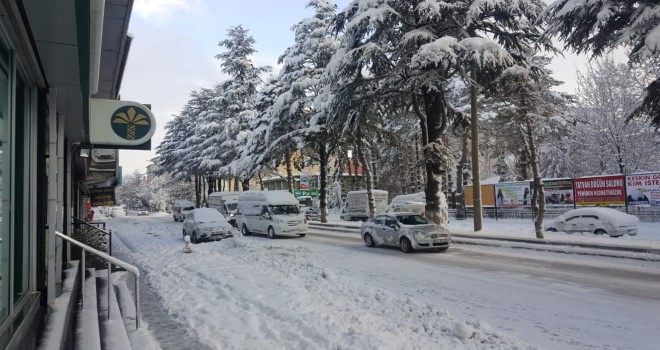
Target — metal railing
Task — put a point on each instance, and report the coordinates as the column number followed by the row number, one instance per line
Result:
column 94, row 226
column 111, row 260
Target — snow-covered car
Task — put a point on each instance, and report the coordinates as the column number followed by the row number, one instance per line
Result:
column 600, row 221
column 142, row 211
column 206, row 224
column 409, row 231
column 313, row 214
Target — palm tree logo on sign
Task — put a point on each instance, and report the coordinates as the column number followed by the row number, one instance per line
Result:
column 130, row 122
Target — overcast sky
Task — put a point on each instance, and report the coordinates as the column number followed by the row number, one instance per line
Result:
column 175, row 42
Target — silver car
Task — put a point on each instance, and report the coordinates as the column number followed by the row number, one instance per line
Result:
column 206, row 224
column 409, row 231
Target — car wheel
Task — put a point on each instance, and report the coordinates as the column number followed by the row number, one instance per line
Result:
column 302, row 235
column 245, row 231
column 193, row 239
column 552, row 230
column 271, row 232
column 368, row 240
column 406, row 246
column 600, row 231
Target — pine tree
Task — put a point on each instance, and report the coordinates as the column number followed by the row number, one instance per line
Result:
column 599, row 26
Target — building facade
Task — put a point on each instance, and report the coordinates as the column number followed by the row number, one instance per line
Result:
column 57, row 58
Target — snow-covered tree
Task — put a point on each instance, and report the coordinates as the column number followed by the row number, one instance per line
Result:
column 134, row 191
column 406, row 51
column 226, row 126
column 598, row 26
column 287, row 128
column 606, row 142
column 530, row 104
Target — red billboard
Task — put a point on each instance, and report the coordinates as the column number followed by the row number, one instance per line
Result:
column 600, row 190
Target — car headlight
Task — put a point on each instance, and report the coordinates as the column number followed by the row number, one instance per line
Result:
column 232, row 215
column 420, row 234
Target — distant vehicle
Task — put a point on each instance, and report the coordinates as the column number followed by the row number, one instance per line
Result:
column 409, row 231
column 226, row 203
column 411, row 203
column 274, row 213
column 206, row 224
column 181, row 208
column 142, row 211
column 313, row 214
column 357, row 204
column 600, row 221
column 116, row 212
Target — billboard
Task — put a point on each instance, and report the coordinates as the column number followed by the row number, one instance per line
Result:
column 513, row 194
column 487, row 196
column 102, row 196
column 600, row 190
column 558, row 192
column 643, row 189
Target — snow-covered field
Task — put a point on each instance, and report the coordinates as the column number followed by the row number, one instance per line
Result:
column 316, row 293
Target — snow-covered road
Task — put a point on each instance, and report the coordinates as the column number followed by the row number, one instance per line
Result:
column 333, row 292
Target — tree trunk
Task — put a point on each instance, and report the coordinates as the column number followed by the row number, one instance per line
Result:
column 289, row 171
column 261, row 181
column 236, row 184
column 434, row 106
column 197, row 192
column 245, row 184
column 538, row 194
column 460, row 194
column 476, row 182
column 323, row 182
column 366, row 171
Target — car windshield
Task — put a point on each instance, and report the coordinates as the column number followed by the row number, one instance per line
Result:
column 208, row 216
column 232, row 206
column 284, row 209
column 412, row 220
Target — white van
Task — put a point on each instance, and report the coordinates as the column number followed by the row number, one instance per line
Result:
column 409, row 203
column 181, row 208
column 357, row 204
column 274, row 213
column 226, row 203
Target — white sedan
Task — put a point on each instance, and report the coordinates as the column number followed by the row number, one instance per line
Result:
column 206, row 224
column 409, row 231
column 600, row 221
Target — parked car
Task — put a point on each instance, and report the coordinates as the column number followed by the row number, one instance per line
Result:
column 206, row 224
column 142, row 211
column 600, row 221
column 313, row 214
column 409, row 231
column 181, row 208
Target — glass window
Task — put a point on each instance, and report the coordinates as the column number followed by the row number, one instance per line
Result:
column 5, row 185
column 22, row 194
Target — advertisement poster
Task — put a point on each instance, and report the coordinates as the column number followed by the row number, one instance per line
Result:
column 102, row 196
column 600, row 190
column 487, row 196
column 304, row 182
column 513, row 194
column 558, row 192
column 643, row 189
